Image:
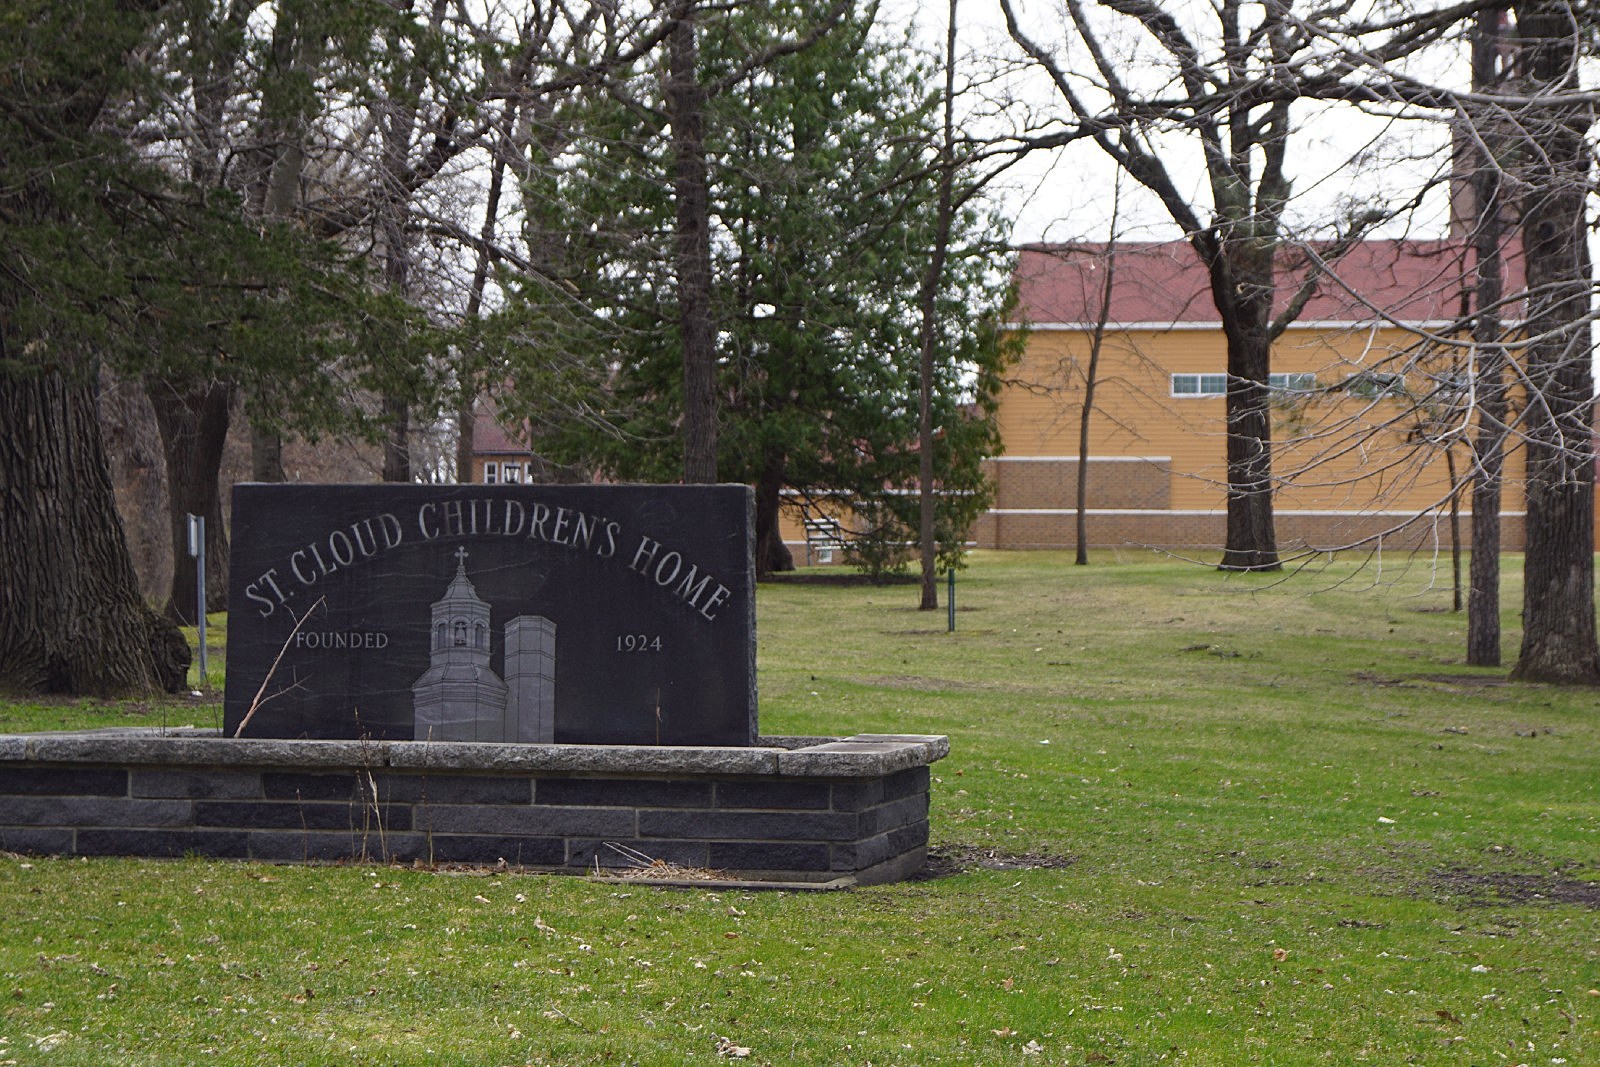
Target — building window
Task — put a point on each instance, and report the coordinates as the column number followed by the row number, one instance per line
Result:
column 491, row 473
column 511, row 473
column 1373, row 384
column 1217, row 384
column 1199, row 384
column 1292, row 383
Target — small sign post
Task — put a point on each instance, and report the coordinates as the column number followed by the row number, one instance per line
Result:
column 950, row 598
column 197, row 551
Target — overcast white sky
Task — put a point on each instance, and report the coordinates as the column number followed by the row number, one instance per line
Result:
column 1338, row 154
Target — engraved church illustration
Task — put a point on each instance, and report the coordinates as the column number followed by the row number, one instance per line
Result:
column 460, row 698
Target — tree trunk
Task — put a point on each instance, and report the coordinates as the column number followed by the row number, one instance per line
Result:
column 397, row 442
column 71, row 620
column 266, row 456
column 1091, row 378
column 466, row 435
column 772, row 555
column 928, row 337
column 686, row 100
column 1252, row 543
column 194, row 428
column 1558, row 612
column 1483, row 574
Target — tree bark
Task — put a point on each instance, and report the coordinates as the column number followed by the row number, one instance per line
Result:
column 71, row 619
column 686, row 101
column 1483, row 572
column 194, row 427
column 928, row 337
column 266, row 456
column 772, row 554
column 1243, row 281
column 1558, row 612
column 397, row 441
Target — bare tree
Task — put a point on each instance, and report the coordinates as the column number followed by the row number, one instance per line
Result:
column 1558, row 612
column 928, row 331
column 1210, row 92
column 1483, row 595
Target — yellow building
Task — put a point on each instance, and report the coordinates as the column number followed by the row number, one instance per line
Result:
column 1369, row 386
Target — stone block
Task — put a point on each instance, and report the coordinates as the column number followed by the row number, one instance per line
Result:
column 489, row 849
column 198, row 784
column 767, row 793
column 909, row 782
column 622, row 792
column 63, row 781
column 36, row 840
column 749, row 825
column 857, row 794
column 768, row 856
column 879, row 848
column 896, row 813
column 532, row 822
column 584, row 853
column 163, row 843
column 95, row 811
column 473, row 789
column 270, row 815
column 864, row 756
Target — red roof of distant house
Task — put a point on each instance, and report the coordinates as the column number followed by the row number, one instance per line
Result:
column 489, row 437
column 1164, row 282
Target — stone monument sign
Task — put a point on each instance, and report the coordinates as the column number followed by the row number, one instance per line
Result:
column 514, row 613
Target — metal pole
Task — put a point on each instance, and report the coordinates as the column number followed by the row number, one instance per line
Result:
column 197, row 549
column 950, row 597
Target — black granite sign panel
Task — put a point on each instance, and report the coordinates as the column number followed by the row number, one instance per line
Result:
column 569, row 614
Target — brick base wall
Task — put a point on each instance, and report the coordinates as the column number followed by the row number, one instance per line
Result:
column 1205, row 530
column 820, row 811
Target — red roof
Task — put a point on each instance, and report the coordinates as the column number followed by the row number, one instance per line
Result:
column 1164, row 282
column 489, row 436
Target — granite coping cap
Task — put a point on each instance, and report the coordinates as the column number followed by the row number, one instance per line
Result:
column 860, row 756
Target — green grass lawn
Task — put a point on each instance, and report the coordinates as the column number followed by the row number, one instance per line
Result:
column 1187, row 817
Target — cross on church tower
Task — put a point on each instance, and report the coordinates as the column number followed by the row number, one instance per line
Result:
column 461, row 556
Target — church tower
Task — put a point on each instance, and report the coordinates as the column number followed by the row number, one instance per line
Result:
column 459, row 698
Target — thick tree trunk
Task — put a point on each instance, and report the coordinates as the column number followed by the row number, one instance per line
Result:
column 1252, row 542
column 71, row 620
column 686, row 101
column 194, row 427
column 266, row 456
column 1558, row 613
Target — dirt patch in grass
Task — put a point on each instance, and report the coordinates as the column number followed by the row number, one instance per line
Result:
column 1491, row 888
column 1471, row 681
column 947, row 860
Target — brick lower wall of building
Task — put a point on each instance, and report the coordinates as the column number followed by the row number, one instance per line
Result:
column 822, row 815
column 1053, row 483
column 1196, row 530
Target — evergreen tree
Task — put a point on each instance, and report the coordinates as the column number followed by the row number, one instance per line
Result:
column 823, row 201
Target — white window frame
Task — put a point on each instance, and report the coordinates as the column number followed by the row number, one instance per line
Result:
column 1201, row 386
column 1375, row 384
column 1292, row 382
column 491, row 473
column 1205, row 386
column 511, row 473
